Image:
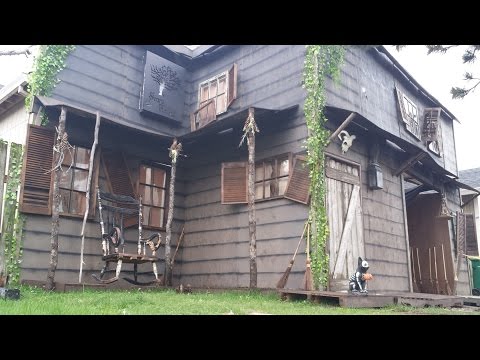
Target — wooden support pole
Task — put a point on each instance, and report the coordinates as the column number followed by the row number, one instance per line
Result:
column 342, row 126
column 252, row 223
column 50, row 284
column 409, row 162
column 87, row 196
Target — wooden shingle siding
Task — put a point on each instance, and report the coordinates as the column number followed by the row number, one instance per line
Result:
column 35, row 193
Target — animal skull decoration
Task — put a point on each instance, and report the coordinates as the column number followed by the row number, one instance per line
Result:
column 346, row 140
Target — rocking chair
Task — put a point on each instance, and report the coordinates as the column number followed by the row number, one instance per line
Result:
column 114, row 210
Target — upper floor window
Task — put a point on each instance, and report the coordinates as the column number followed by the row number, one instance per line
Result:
column 409, row 112
column 73, row 183
column 153, row 189
column 214, row 97
column 432, row 132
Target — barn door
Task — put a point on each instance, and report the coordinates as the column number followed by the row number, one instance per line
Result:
column 344, row 212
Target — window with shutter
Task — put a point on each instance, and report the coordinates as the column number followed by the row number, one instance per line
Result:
column 299, row 183
column 215, row 95
column 234, row 182
column 409, row 113
column 35, row 192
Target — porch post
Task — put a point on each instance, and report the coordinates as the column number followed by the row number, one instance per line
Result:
column 250, row 128
column 87, row 196
column 50, row 284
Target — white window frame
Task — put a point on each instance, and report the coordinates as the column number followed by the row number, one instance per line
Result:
column 436, row 146
column 411, row 111
column 207, row 82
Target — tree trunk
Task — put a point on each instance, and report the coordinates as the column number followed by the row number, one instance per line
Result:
column 50, row 285
column 174, row 154
column 87, row 196
column 252, row 225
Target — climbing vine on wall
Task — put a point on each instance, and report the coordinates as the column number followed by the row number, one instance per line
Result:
column 321, row 61
column 47, row 64
column 13, row 220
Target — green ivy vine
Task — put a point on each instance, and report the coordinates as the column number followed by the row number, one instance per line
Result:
column 13, row 220
column 43, row 78
column 321, row 61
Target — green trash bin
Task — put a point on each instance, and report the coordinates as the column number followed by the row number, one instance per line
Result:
column 476, row 273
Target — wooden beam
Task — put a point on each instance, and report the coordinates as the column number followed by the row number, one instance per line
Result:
column 342, row 126
column 87, row 195
column 252, row 224
column 50, row 284
column 409, row 162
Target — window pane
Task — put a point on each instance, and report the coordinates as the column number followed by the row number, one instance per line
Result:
column 65, row 194
column 284, row 167
column 146, row 214
column 156, row 217
column 66, row 179
column 67, row 159
column 270, row 169
column 142, row 174
column 259, row 172
column 83, row 158
column 204, row 93
column 267, row 189
column 221, row 103
column 222, row 83
column 213, row 89
column 259, row 191
column 158, row 197
column 148, row 175
column 80, row 180
column 282, row 185
column 159, row 177
column 273, row 188
column 146, row 193
column 78, row 201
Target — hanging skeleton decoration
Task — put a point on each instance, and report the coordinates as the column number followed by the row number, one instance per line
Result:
column 63, row 145
column 346, row 140
column 175, row 150
column 250, row 126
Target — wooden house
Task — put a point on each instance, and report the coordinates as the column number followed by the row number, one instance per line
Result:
column 389, row 195
column 471, row 205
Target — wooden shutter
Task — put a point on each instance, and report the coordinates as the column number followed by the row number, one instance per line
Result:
column 36, row 184
column 401, row 105
column 298, row 187
column 430, row 124
column 232, row 84
column 119, row 178
column 471, row 235
column 234, row 182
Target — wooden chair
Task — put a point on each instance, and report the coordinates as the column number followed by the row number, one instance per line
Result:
column 114, row 211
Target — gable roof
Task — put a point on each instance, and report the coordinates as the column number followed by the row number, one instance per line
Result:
column 470, row 177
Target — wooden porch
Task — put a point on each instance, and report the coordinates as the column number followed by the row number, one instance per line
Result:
column 373, row 300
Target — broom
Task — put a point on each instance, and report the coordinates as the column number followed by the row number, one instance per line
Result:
column 308, row 278
column 283, row 280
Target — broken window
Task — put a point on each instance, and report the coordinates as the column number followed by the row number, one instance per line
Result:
column 214, row 97
column 409, row 112
column 271, row 177
column 432, row 133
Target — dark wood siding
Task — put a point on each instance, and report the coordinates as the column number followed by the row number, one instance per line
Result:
column 109, row 78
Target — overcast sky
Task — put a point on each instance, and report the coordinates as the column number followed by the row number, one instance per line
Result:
column 436, row 73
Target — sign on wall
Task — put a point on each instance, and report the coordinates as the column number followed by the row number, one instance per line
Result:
column 163, row 91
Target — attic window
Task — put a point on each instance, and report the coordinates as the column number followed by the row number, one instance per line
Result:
column 409, row 112
column 432, row 133
column 214, row 97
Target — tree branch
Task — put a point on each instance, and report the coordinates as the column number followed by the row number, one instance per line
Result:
column 25, row 51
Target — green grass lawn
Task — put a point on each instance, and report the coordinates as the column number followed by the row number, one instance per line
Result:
column 167, row 302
